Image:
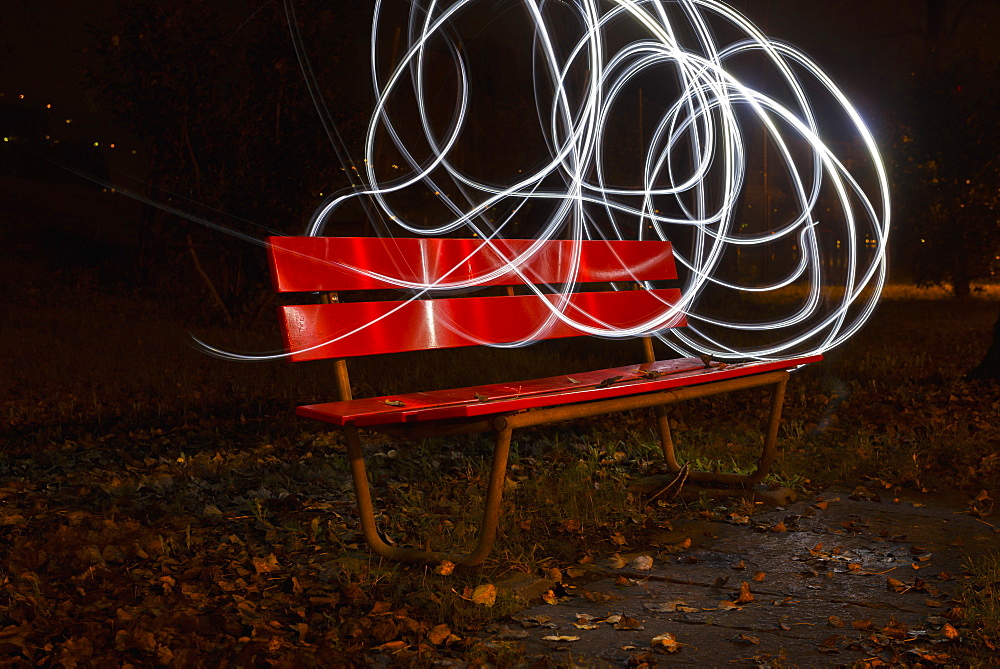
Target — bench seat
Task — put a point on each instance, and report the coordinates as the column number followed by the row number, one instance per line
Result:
column 490, row 400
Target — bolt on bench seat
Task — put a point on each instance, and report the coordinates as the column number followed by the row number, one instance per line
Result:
column 339, row 330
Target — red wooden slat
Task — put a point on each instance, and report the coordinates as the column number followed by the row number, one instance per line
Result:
column 306, row 264
column 553, row 391
column 318, row 331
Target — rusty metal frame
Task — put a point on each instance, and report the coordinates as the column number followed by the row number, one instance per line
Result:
column 503, row 426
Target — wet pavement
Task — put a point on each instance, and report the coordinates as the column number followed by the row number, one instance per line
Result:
column 846, row 576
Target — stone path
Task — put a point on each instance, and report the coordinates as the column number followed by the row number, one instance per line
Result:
column 843, row 577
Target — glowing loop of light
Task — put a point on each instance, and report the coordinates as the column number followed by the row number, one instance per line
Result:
column 694, row 169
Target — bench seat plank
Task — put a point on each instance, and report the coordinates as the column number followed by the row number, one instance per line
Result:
column 479, row 401
column 347, row 329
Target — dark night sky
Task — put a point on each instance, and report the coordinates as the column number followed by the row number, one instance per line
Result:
column 864, row 45
column 40, row 51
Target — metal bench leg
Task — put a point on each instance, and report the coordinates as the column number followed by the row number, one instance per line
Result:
column 488, row 525
column 764, row 462
column 494, row 492
column 666, row 441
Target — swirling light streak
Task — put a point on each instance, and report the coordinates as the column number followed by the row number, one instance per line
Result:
column 694, row 167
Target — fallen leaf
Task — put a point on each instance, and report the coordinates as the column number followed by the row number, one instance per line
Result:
column 608, row 382
column 438, row 634
column 666, row 641
column 112, row 554
column 485, row 594
column 642, row 563
column 780, row 527
column 865, row 624
column 444, row 568
column 745, row 595
column 598, row 597
column 536, row 621
column 950, row 632
column 144, row 640
column 665, row 607
column 380, row 608
column 571, row 525
column 560, row 638
column 759, row 576
column 267, row 564
column 509, row 634
column 747, row 639
column 834, row 621
column 628, row 623
column 740, row 565
column 16, row 635
column 895, row 630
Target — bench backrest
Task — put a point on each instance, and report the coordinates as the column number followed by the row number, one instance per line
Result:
column 341, row 329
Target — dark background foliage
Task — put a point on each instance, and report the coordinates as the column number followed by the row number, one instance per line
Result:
column 228, row 125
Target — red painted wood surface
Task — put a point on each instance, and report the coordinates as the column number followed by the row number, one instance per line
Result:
column 480, row 401
column 341, row 330
column 306, row 264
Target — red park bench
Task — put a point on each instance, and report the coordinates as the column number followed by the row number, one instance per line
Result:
column 335, row 329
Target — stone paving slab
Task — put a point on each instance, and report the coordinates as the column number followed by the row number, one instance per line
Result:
column 822, row 595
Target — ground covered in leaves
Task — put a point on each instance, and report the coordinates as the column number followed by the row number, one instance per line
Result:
column 162, row 508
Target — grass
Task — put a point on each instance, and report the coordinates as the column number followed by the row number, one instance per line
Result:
column 981, row 596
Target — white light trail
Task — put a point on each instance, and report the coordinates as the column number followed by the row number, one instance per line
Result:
column 733, row 123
